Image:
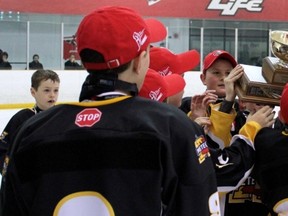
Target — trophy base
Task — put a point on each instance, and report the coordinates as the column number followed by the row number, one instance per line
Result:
column 254, row 99
column 253, row 87
column 274, row 72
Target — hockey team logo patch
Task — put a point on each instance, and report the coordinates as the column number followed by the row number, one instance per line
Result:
column 202, row 149
column 88, row 117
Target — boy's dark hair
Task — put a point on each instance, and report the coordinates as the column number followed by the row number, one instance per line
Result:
column 5, row 54
column 43, row 75
column 35, row 55
column 99, row 81
column 92, row 56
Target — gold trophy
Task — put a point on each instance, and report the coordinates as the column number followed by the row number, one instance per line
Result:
column 252, row 87
column 275, row 69
column 265, row 84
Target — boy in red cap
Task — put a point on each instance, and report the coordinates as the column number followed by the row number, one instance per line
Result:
column 217, row 65
column 271, row 162
column 117, row 153
column 219, row 75
column 159, row 88
column 165, row 62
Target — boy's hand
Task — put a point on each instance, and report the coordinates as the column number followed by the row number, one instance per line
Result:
column 264, row 117
column 204, row 122
column 200, row 103
column 230, row 80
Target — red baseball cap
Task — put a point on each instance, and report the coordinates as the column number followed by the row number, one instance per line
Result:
column 157, row 87
column 216, row 54
column 157, row 29
column 284, row 104
column 118, row 33
column 166, row 62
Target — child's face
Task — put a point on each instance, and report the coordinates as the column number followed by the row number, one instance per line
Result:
column 72, row 58
column 214, row 76
column 46, row 95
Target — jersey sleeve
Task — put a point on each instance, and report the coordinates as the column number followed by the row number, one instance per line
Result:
column 271, row 168
column 233, row 162
column 11, row 130
column 195, row 172
column 6, row 137
column 219, row 131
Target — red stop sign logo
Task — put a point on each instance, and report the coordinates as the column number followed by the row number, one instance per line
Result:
column 88, row 117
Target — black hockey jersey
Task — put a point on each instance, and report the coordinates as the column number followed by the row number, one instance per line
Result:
column 271, row 168
column 12, row 128
column 123, row 156
column 244, row 199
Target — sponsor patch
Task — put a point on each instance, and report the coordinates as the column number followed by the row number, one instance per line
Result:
column 202, row 149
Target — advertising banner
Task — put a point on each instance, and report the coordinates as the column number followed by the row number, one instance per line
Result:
column 258, row 10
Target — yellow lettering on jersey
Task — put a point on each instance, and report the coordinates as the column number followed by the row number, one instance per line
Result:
column 247, row 191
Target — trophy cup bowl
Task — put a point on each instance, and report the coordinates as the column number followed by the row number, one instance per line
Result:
column 279, row 46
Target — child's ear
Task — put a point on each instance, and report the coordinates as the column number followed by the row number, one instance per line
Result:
column 138, row 61
column 203, row 78
column 32, row 91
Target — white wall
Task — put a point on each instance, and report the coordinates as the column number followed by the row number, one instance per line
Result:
column 15, row 85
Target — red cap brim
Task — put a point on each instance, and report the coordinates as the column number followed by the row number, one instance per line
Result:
column 188, row 60
column 158, row 31
column 175, row 84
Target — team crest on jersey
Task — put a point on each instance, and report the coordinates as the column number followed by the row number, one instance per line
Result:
column 202, row 149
